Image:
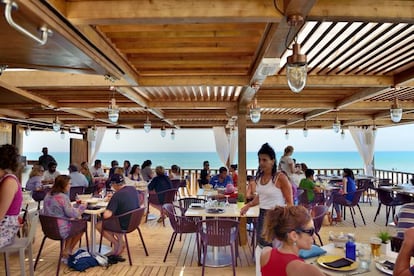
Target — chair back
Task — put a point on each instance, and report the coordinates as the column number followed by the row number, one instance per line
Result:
column 384, row 182
column 218, row 232
column 319, row 213
column 384, row 197
column 180, row 224
column 50, row 227
column 357, row 196
column 167, row 195
column 113, row 224
column 183, row 183
column 175, row 183
column 364, row 184
column 75, row 190
column 185, row 203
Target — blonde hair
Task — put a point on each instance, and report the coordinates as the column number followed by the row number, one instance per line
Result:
column 288, row 150
column 159, row 170
column 37, row 170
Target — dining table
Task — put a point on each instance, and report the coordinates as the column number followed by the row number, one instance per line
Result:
column 219, row 257
column 95, row 210
column 377, row 266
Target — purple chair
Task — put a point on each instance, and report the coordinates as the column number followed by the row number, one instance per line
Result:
column 153, row 199
column 112, row 224
column 50, row 229
column 340, row 199
column 219, row 232
column 319, row 213
column 180, row 225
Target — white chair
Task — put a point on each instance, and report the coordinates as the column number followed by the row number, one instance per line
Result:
column 20, row 245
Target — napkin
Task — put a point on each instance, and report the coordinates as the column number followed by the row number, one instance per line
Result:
column 313, row 252
column 389, row 265
column 339, row 263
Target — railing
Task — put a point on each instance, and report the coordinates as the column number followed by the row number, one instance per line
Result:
column 395, row 177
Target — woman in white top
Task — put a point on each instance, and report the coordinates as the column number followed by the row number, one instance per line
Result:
column 272, row 188
column 286, row 163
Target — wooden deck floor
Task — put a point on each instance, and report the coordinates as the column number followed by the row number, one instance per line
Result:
column 183, row 259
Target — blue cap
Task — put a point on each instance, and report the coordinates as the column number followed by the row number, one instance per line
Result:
column 117, row 179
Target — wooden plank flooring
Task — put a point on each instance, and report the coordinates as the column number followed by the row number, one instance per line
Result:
column 183, row 259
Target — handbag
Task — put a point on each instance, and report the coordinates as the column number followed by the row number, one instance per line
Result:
column 39, row 195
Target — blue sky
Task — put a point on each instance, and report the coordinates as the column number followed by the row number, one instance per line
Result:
column 397, row 138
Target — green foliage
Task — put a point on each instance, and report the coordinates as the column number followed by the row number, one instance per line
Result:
column 240, row 197
column 385, row 236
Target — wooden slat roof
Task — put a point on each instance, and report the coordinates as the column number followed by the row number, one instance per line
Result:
column 191, row 64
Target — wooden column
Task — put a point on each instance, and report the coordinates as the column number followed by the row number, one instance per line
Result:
column 241, row 123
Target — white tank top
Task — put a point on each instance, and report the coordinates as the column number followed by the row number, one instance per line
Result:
column 270, row 196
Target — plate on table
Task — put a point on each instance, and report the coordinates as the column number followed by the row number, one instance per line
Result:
column 385, row 266
column 102, row 204
column 331, row 258
column 197, row 206
column 215, row 211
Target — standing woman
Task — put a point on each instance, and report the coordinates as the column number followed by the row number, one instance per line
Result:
column 287, row 165
column 293, row 226
column 272, row 188
column 146, row 170
column 11, row 196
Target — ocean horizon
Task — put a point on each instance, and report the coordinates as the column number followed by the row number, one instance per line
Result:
column 385, row 160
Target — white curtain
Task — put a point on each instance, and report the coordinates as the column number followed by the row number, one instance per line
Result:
column 365, row 141
column 233, row 145
column 222, row 143
column 95, row 146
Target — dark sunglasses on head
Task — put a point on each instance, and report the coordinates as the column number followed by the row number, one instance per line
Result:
column 309, row 231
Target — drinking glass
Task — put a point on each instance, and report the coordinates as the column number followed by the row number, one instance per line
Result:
column 364, row 256
column 375, row 247
column 227, row 204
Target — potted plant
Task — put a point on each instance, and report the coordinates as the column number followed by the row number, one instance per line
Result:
column 385, row 237
column 240, row 200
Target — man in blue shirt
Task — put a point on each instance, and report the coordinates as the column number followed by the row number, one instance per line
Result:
column 222, row 179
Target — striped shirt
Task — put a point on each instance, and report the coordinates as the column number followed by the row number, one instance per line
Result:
column 405, row 218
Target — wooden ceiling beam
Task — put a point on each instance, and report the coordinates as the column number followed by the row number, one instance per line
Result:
column 361, row 96
column 365, row 10
column 404, row 78
column 13, row 113
column 315, row 81
column 170, row 11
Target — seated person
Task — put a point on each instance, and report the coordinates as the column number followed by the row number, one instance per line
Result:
column 123, row 200
column 402, row 265
column 222, row 179
column 294, row 227
column 57, row 204
column 309, row 185
column 251, row 188
column 160, row 183
column 50, row 174
column 405, row 218
column 233, row 174
column 78, row 179
column 348, row 189
column 34, row 183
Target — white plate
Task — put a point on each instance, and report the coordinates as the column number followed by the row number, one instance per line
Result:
column 383, row 268
column 102, row 204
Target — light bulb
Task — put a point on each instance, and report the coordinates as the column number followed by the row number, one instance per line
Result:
column 56, row 126
column 374, row 131
column 113, row 111
column 27, row 131
column 296, row 76
column 147, row 125
column 305, row 132
column 117, row 134
column 163, row 132
column 255, row 115
column 93, row 133
column 287, row 134
column 62, row 134
column 342, row 134
column 336, row 126
column 396, row 114
column 172, row 135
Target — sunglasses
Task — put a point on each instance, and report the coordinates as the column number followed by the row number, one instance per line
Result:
column 309, row 231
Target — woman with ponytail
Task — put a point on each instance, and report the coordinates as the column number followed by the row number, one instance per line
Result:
column 293, row 226
column 272, row 188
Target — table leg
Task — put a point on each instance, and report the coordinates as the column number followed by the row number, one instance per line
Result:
column 94, row 248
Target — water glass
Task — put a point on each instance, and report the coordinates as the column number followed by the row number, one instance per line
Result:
column 364, row 256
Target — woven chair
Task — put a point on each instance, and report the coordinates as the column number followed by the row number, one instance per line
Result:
column 50, row 229
column 20, row 245
column 112, row 224
column 319, row 213
column 366, row 185
column 180, row 225
column 219, row 232
column 340, row 199
column 75, row 191
column 153, row 199
column 303, row 199
column 185, row 202
column 386, row 198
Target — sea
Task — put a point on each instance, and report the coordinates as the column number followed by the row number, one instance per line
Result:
column 401, row 161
